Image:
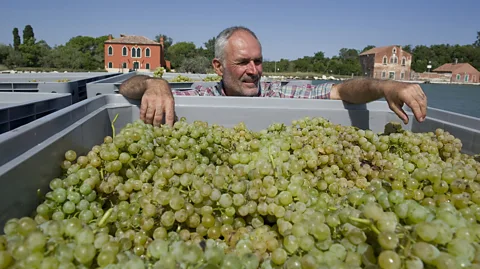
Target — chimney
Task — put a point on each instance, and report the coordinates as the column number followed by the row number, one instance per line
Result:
column 161, row 40
column 456, row 61
column 110, row 37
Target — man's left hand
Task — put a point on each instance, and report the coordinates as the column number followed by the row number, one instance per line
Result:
column 400, row 93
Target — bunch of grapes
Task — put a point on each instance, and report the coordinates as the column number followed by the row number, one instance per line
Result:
column 312, row 194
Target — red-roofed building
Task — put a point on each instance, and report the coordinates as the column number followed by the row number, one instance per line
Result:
column 134, row 53
column 460, row 72
column 389, row 62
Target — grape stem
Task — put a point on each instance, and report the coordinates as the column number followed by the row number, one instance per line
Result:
column 104, row 218
column 113, row 125
column 366, row 222
column 273, row 162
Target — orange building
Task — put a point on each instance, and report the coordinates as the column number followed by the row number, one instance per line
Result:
column 460, row 72
column 134, row 53
column 390, row 62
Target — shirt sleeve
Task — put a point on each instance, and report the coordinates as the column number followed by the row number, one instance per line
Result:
column 307, row 91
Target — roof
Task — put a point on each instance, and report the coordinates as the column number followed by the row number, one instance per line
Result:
column 133, row 39
column 459, row 67
column 383, row 50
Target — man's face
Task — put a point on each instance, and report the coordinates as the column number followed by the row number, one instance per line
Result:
column 242, row 68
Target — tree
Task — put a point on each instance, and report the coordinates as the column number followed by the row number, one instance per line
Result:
column 407, row 48
column 16, row 38
column 167, row 41
column 346, row 54
column 180, row 51
column 210, row 48
column 367, row 48
column 4, row 52
column 28, row 34
column 197, row 65
column 477, row 42
column 14, row 59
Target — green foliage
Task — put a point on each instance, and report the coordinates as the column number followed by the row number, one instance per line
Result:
column 367, row 48
column 28, row 34
column 167, row 41
column 210, row 49
column 16, row 38
column 212, row 78
column 14, row 59
column 158, row 73
column 477, row 42
column 180, row 51
column 196, row 65
column 181, row 78
column 437, row 55
column 4, row 52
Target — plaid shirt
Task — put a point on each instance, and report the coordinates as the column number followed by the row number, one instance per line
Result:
column 267, row 89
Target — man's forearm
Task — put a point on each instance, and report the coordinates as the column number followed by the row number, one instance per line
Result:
column 360, row 91
column 135, row 86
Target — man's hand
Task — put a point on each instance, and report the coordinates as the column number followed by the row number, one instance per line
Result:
column 399, row 93
column 157, row 101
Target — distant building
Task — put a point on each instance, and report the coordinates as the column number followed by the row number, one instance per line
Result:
column 390, row 62
column 459, row 72
column 134, row 53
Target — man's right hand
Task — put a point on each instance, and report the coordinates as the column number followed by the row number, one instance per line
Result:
column 157, row 103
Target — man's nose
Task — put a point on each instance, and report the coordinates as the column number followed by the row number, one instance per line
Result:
column 252, row 68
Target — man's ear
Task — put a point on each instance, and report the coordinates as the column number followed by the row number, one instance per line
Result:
column 217, row 66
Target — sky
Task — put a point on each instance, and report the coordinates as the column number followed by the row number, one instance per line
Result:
column 286, row 29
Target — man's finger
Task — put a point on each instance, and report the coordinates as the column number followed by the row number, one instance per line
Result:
column 423, row 106
column 150, row 113
column 143, row 109
column 415, row 106
column 157, row 120
column 170, row 112
column 399, row 111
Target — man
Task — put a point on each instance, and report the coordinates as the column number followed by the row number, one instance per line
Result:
column 238, row 60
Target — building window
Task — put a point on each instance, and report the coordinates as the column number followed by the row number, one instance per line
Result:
column 393, row 60
column 147, row 52
column 124, row 51
column 384, row 59
column 466, row 78
column 402, row 75
column 147, row 66
column 124, row 65
column 136, row 65
column 139, row 53
column 404, row 61
column 459, row 77
column 391, row 75
column 110, row 65
column 384, row 74
column 110, row 50
column 394, row 50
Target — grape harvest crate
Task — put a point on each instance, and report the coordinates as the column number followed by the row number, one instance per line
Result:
column 73, row 83
column 17, row 109
column 30, row 157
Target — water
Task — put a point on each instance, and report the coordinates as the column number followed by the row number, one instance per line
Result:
column 463, row 99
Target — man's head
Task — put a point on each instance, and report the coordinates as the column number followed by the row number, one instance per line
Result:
column 238, row 59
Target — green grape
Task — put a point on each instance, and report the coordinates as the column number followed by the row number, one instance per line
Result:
column 279, row 256
column 389, row 260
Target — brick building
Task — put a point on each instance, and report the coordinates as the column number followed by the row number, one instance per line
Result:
column 389, row 62
column 459, row 72
column 134, row 53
